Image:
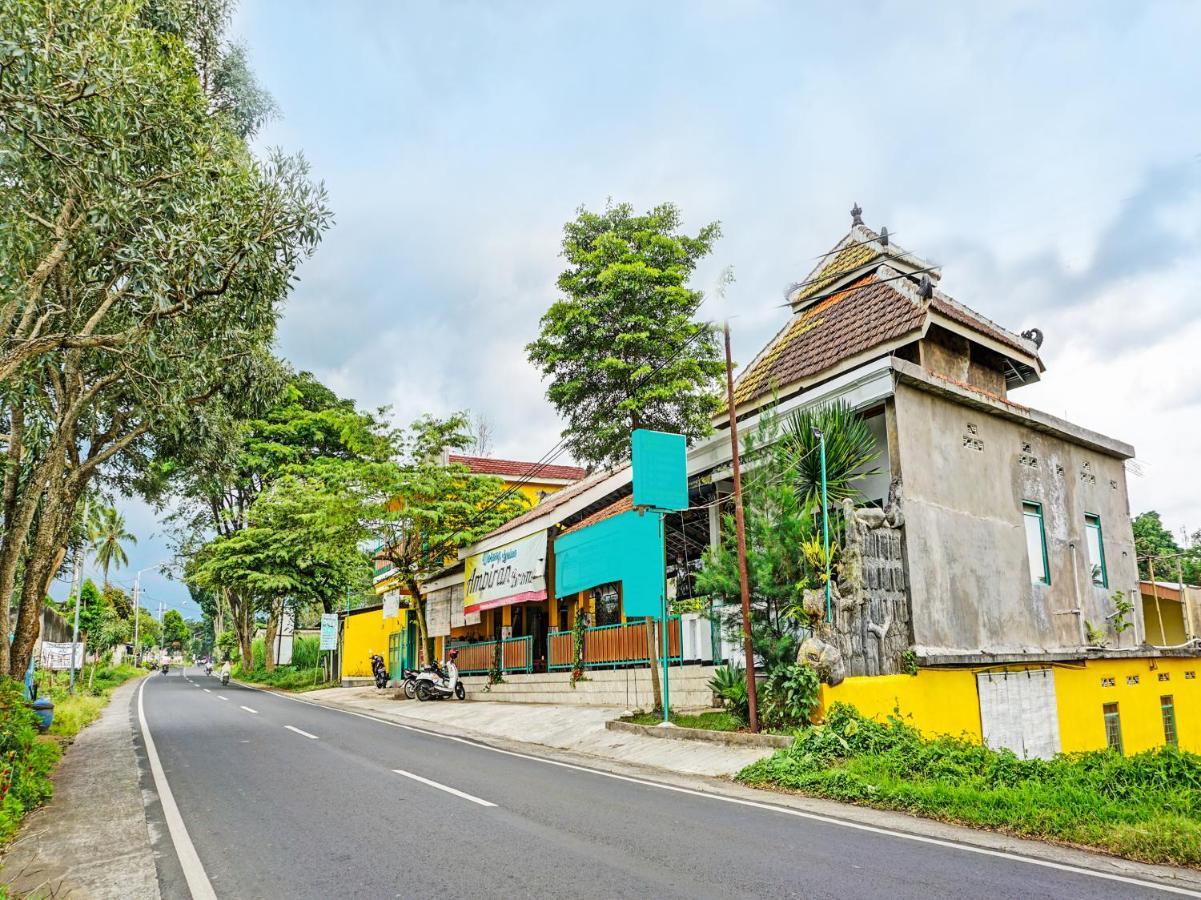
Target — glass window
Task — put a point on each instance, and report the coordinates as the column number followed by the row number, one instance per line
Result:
column 608, row 605
column 1036, row 542
column 1096, row 550
column 1113, row 727
column 1167, row 709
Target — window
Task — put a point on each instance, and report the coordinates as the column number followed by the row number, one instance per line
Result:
column 1096, row 550
column 1167, row 709
column 608, row 604
column 1113, row 727
column 1036, row 542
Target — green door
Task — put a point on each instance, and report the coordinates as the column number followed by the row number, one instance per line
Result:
column 394, row 656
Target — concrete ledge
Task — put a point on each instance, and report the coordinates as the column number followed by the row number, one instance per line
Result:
column 729, row 738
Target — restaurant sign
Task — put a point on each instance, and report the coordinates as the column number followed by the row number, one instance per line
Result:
column 514, row 573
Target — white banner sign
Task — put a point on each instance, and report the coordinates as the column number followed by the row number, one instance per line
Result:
column 329, row 631
column 391, row 604
column 58, row 656
column 514, row 573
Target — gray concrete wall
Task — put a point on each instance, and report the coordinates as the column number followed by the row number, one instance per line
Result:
column 964, row 474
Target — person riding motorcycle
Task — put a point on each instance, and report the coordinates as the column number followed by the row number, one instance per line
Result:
column 225, row 673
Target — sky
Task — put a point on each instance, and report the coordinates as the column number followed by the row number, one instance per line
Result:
column 1047, row 156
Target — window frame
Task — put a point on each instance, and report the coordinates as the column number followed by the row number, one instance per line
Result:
column 1042, row 535
column 1093, row 520
column 1167, row 715
column 1113, row 739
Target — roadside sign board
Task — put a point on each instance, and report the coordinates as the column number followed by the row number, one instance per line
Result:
column 329, row 631
column 660, row 473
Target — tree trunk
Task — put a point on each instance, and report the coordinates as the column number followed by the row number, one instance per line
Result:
column 656, row 661
column 415, row 607
column 42, row 562
column 269, row 636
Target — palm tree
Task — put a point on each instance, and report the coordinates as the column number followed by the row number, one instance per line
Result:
column 850, row 451
column 106, row 531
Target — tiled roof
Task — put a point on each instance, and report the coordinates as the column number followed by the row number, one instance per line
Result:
column 617, row 506
column 865, row 314
column 555, row 500
column 972, row 319
column 484, row 465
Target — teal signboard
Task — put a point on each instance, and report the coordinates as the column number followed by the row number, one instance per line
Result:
column 628, row 548
column 660, row 474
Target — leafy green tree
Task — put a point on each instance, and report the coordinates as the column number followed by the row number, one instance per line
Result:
column 313, row 444
column 175, row 629
column 423, row 511
column 1153, row 539
column 145, row 254
column 621, row 347
column 106, row 532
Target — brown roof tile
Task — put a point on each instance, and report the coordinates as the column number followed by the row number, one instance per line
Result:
column 865, row 314
column 484, row 465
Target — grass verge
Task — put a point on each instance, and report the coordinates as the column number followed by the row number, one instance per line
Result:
column 716, row 720
column 1145, row 807
column 29, row 758
column 285, row 678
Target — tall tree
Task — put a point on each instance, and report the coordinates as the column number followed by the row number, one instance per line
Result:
column 424, row 511
column 1154, row 541
column 145, row 253
column 621, row 347
column 175, row 629
column 106, row 532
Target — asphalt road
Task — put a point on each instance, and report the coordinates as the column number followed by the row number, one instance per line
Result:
column 286, row 799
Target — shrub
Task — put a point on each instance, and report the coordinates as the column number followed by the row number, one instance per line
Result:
column 790, row 694
column 306, row 653
column 25, row 759
column 1146, row 806
column 729, row 684
column 258, row 653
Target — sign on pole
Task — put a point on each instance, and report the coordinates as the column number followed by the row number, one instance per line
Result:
column 660, row 469
column 329, row 631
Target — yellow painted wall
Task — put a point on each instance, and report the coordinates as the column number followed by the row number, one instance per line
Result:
column 1173, row 622
column 364, row 633
column 1080, row 698
column 946, row 701
column 934, row 701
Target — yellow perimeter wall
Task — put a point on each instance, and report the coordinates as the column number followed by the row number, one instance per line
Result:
column 945, row 701
column 365, row 632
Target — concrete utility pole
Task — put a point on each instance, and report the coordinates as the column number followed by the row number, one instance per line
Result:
column 740, row 524
column 77, row 584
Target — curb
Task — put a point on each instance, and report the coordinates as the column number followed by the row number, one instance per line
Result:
column 729, row 738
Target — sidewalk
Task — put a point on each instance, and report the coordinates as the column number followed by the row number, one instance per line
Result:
column 91, row 840
column 580, row 729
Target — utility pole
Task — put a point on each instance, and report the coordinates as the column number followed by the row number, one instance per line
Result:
column 740, row 523
column 77, row 584
column 137, row 608
column 821, row 437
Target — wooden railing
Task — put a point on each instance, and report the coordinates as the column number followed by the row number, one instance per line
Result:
column 516, row 655
column 612, row 646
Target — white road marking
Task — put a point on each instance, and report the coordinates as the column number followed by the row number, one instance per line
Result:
column 219, row 697
column 443, row 787
column 800, row 814
column 189, row 861
column 300, row 731
column 207, row 691
column 249, row 710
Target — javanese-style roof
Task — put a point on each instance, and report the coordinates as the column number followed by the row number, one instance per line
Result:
column 867, row 294
column 485, row 465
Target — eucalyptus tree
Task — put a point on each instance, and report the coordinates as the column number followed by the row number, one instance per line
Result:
column 144, row 254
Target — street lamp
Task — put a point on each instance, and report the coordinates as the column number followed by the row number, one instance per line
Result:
column 821, row 438
column 137, row 604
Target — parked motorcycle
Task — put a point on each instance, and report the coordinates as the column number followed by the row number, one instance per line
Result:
column 431, row 687
column 409, row 684
column 379, row 670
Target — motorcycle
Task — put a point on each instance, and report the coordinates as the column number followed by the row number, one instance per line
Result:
column 165, row 668
column 379, row 670
column 409, row 683
column 208, row 668
column 224, row 679
column 431, row 687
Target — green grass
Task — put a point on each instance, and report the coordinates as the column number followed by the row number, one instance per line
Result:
column 286, row 678
column 1145, row 807
column 74, row 712
column 717, row 720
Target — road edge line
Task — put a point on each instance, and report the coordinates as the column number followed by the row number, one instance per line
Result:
column 185, row 851
column 771, row 807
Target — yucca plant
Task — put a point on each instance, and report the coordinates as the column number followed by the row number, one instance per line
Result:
column 850, row 451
